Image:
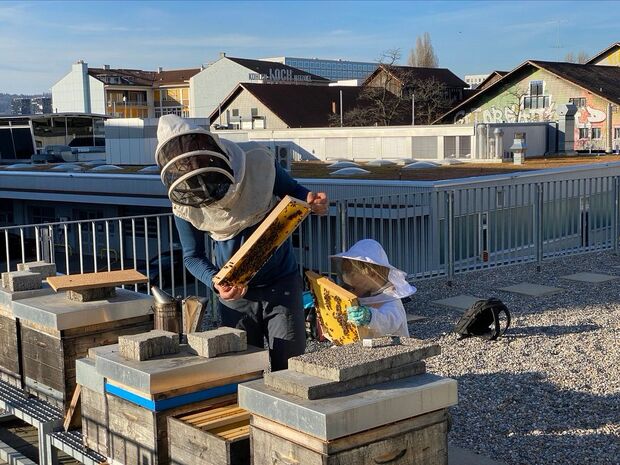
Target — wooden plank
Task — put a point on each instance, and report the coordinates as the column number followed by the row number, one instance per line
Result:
column 223, row 420
column 77, row 282
column 263, row 242
column 331, row 302
column 73, row 416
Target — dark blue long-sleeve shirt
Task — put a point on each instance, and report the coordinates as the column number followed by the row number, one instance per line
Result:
column 281, row 264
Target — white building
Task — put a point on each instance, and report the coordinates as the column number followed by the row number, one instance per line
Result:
column 213, row 84
column 474, row 80
column 330, row 69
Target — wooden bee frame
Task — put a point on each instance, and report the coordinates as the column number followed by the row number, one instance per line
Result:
column 263, row 242
column 331, row 303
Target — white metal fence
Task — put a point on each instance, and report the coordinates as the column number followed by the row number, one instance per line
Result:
column 441, row 231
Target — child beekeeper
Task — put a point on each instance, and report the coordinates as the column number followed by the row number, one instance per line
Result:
column 366, row 272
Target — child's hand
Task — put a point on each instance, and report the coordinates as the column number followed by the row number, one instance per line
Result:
column 359, row 315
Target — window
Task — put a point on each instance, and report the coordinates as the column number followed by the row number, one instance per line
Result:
column 535, row 102
column 583, row 133
column 596, row 133
column 536, row 88
column 254, row 112
column 235, row 112
column 579, row 102
column 616, row 133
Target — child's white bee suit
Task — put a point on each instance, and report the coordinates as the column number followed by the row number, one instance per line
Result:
column 388, row 312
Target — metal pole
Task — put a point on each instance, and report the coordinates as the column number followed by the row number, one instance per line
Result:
column 539, row 225
column 342, row 214
column 616, row 206
column 450, row 241
column 413, row 109
column 341, row 113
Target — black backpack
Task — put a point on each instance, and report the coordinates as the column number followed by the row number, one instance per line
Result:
column 482, row 319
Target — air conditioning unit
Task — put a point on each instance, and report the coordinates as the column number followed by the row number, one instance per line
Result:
column 283, row 157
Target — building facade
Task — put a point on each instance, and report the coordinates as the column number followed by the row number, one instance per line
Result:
column 474, row 80
column 212, row 85
column 334, row 70
column 123, row 93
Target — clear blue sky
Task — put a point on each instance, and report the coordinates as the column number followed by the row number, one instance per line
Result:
column 40, row 40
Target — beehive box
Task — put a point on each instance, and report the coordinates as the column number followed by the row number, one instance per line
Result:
column 421, row 440
column 55, row 332
column 263, row 242
column 331, row 302
column 212, row 436
column 9, row 353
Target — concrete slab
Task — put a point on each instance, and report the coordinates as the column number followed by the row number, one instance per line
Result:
column 532, row 290
column 7, row 297
column 16, row 281
column 145, row 346
column 462, row 302
column 350, row 412
column 57, row 312
column 175, row 371
column 343, row 363
column 592, row 278
column 87, row 376
column 218, row 341
column 313, row 387
column 45, row 269
column 460, row 456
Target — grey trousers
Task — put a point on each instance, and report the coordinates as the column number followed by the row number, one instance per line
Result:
column 273, row 312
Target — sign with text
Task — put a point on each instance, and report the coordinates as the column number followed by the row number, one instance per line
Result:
column 279, row 75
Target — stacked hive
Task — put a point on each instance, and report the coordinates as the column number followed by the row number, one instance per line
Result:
column 352, row 405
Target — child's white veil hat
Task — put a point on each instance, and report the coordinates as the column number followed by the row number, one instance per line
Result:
column 370, row 251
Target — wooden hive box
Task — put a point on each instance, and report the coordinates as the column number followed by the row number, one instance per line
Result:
column 212, row 436
column 49, row 355
column 331, row 303
column 9, row 348
column 421, row 440
column 263, row 242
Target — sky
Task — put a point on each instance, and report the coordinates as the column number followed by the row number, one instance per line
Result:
column 40, row 40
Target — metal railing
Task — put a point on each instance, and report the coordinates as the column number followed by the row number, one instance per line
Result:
column 441, row 231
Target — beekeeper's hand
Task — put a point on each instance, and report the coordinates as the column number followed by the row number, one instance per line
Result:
column 318, row 202
column 227, row 292
column 359, row 315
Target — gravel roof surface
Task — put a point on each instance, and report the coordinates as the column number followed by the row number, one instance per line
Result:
column 549, row 391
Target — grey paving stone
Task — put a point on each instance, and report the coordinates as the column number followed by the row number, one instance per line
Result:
column 312, row 387
column 141, row 347
column 44, row 268
column 352, row 361
column 90, row 295
column 462, row 302
column 592, row 278
column 218, row 341
column 16, row 281
column 533, row 290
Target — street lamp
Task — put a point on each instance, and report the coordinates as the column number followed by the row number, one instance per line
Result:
column 125, row 103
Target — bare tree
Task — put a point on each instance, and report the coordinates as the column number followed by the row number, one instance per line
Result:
column 423, row 55
column 581, row 57
column 517, row 93
column 431, row 99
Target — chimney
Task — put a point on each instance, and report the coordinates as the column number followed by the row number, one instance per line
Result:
column 106, row 66
column 202, row 67
column 159, row 69
column 222, row 54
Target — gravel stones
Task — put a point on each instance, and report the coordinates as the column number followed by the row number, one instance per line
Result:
column 548, row 391
column 218, row 341
column 351, row 361
column 145, row 346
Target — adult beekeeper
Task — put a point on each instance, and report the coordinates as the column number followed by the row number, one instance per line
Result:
column 366, row 271
column 225, row 190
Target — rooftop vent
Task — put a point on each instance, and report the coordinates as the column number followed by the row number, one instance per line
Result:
column 349, row 172
column 380, row 163
column 150, row 169
column 344, row 164
column 105, row 168
column 420, row 165
column 159, row 69
column 106, row 66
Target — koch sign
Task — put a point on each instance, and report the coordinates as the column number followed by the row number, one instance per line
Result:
column 279, row 75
